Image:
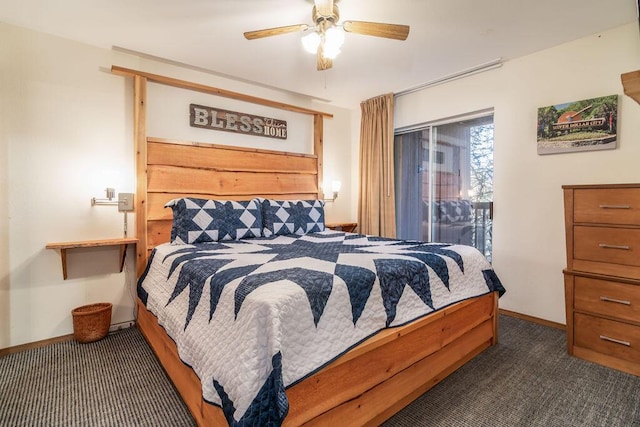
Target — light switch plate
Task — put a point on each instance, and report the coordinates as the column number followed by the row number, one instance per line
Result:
column 125, row 202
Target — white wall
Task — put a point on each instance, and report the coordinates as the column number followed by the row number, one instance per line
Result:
column 66, row 134
column 529, row 242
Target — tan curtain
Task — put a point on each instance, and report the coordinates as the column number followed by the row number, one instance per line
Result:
column 376, row 201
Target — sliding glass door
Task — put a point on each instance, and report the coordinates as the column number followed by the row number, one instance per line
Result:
column 444, row 183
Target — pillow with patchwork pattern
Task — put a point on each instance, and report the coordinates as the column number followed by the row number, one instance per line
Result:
column 201, row 220
column 300, row 217
column 453, row 211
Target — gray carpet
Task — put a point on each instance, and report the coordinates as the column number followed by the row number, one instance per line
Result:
column 113, row 382
column 527, row 380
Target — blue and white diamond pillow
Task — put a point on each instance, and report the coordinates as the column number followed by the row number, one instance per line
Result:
column 453, row 211
column 292, row 216
column 201, row 220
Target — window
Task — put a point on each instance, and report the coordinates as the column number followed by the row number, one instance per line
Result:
column 444, row 183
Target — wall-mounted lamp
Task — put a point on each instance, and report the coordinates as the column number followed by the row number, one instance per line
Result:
column 111, row 194
column 335, row 189
column 124, row 203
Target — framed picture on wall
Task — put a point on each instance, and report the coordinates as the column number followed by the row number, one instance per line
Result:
column 586, row 125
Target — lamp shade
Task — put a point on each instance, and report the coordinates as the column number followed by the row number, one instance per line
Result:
column 333, row 40
column 334, row 36
column 311, row 41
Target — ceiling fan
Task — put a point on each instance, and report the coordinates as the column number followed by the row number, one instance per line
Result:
column 326, row 37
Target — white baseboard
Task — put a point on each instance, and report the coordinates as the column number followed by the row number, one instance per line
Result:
column 122, row 325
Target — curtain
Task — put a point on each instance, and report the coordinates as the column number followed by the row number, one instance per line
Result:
column 376, row 201
column 410, row 208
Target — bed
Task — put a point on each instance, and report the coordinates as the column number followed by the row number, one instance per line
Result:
column 362, row 383
column 254, row 316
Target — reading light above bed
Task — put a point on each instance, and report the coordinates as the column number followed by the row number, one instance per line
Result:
column 335, row 189
column 111, row 194
column 124, row 202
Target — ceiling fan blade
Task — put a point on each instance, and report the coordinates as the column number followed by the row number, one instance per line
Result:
column 378, row 29
column 252, row 35
column 323, row 63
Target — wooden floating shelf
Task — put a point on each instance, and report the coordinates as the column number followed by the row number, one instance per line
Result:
column 631, row 84
column 63, row 246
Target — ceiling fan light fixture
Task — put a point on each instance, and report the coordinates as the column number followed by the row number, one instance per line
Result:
column 334, row 37
column 333, row 41
column 311, row 41
column 330, row 52
column 325, row 39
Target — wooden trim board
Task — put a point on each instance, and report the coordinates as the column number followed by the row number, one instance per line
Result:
column 211, row 90
column 33, row 345
column 532, row 319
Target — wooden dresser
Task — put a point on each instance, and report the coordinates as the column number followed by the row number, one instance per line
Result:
column 602, row 278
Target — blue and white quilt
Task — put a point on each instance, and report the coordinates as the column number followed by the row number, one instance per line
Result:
column 255, row 316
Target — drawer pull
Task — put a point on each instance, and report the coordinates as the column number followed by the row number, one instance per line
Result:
column 619, row 301
column 606, row 338
column 606, row 246
column 615, row 206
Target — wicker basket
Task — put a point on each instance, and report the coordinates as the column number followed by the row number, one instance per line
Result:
column 91, row 322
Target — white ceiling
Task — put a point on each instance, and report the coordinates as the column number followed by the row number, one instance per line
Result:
column 446, row 36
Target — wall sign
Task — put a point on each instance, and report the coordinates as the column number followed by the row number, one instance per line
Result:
column 201, row 116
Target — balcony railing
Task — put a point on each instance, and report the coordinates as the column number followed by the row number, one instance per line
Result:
column 475, row 231
column 482, row 227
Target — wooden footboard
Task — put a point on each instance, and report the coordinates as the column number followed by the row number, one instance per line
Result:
column 369, row 383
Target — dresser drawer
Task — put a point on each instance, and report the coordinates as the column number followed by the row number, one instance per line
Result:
column 616, row 339
column 607, row 245
column 614, row 299
column 607, row 206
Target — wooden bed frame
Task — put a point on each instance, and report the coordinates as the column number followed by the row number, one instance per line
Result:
column 363, row 387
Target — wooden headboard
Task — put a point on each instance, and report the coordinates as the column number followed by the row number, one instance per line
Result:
column 168, row 169
column 186, row 169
